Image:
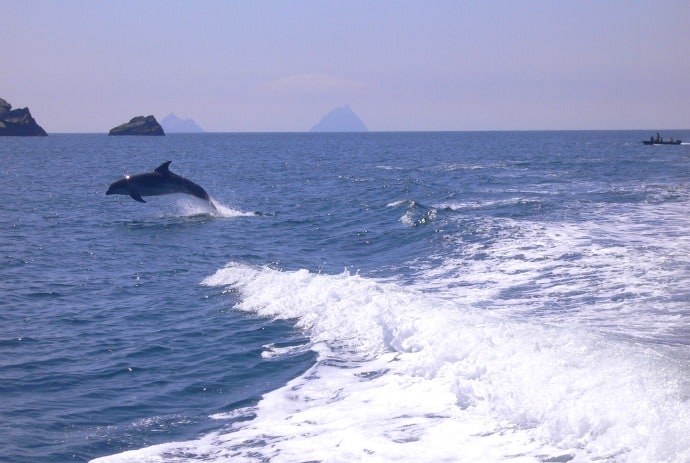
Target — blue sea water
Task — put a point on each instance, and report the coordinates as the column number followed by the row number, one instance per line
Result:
column 464, row 297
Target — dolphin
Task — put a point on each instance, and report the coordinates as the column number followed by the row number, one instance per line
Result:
column 159, row 182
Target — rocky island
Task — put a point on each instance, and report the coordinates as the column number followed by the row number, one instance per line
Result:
column 18, row 122
column 173, row 124
column 139, row 125
column 341, row 119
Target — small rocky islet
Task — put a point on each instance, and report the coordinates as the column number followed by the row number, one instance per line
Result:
column 138, row 125
column 18, row 122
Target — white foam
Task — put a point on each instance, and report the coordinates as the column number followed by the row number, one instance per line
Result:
column 272, row 351
column 415, row 214
column 399, row 203
column 239, row 413
column 193, row 207
column 405, row 375
column 525, row 342
column 619, row 273
column 486, row 204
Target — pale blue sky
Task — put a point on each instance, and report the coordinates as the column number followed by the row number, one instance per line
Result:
column 237, row 66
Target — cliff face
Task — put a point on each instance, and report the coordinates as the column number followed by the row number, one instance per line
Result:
column 18, row 122
column 139, row 125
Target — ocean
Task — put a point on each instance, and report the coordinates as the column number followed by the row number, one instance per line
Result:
column 374, row 297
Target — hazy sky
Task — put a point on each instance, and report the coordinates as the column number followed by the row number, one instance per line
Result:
column 237, row 66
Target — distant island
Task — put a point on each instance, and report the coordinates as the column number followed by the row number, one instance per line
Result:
column 139, row 125
column 18, row 122
column 173, row 124
column 341, row 119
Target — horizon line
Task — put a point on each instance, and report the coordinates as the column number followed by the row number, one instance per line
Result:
column 386, row 131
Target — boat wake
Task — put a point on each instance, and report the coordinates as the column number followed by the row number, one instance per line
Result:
column 399, row 370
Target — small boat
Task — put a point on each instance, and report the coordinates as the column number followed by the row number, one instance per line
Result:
column 660, row 141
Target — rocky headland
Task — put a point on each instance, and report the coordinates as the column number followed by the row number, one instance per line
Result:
column 18, row 122
column 139, row 125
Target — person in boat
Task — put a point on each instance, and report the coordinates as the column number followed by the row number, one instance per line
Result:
column 658, row 138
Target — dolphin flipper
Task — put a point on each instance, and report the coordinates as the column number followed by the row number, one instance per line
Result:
column 137, row 197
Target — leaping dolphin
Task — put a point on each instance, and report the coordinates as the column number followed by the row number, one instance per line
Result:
column 159, row 182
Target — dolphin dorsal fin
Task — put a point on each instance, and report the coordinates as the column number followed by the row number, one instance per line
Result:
column 163, row 168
